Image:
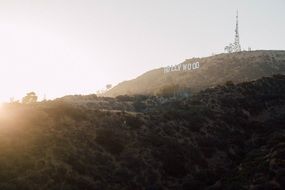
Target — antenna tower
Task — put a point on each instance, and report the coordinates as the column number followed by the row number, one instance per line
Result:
column 236, row 45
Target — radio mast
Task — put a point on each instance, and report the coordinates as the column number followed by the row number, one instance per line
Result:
column 236, row 47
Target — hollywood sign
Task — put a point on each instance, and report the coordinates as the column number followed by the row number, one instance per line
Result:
column 182, row 67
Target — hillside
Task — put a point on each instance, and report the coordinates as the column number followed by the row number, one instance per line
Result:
column 214, row 70
column 227, row 137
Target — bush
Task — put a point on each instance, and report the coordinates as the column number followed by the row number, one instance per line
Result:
column 110, row 141
column 139, row 106
column 125, row 98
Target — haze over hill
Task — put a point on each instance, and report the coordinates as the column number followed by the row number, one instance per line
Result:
column 214, row 70
column 207, row 123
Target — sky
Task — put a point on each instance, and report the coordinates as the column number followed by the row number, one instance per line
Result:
column 61, row 47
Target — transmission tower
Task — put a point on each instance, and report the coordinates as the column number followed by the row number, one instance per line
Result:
column 234, row 47
column 236, row 44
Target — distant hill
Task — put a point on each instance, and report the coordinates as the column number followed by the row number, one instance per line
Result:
column 214, row 70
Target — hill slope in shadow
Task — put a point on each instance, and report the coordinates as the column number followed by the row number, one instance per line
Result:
column 227, row 137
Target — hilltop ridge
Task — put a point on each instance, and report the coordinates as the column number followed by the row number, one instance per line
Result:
column 214, row 70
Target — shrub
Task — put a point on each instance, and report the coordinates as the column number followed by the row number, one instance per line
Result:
column 125, row 98
column 110, row 140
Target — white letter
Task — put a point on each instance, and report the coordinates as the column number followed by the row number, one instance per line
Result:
column 179, row 67
column 184, row 67
column 189, row 66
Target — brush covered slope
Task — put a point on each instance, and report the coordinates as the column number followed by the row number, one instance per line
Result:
column 227, row 137
column 214, row 70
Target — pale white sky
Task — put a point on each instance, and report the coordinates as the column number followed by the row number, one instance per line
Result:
column 59, row 47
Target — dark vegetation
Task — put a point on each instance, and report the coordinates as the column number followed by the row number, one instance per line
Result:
column 227, row 137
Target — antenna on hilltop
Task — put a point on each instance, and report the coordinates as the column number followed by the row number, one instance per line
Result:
column 234, row 47
column 237, row 47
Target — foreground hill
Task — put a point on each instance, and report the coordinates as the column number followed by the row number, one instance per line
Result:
column 227, row 137
column 214, row 70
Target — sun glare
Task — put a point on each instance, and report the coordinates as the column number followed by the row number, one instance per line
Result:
column 1, row 110
column 3, row 113
column 1, row 107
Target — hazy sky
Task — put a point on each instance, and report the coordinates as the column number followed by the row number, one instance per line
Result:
column 77, row 47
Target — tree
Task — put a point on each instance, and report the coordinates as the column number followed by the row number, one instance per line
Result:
column 229, row 48
column 168, row 90
column 31, row 97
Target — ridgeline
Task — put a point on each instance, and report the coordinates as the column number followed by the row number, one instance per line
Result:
column 215, row 70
